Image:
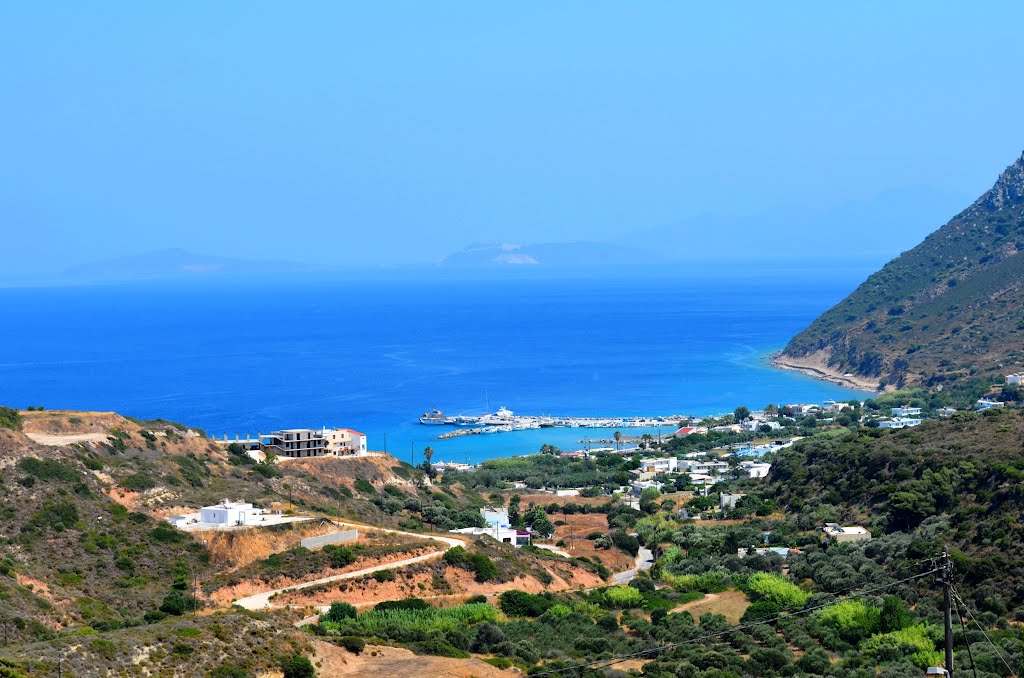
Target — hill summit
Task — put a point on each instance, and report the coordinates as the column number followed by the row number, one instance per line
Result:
column 948, row 310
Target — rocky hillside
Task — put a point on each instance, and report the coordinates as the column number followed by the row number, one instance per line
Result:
column 950, row 309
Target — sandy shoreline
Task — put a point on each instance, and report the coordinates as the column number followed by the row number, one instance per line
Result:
column 815, row 366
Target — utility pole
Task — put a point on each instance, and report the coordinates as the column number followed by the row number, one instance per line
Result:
column 946, row 579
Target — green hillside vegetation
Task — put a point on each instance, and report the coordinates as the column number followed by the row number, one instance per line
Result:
column 947, row 311
column 956, row 483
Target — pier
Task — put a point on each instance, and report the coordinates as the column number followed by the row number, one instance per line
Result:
column 505, row 420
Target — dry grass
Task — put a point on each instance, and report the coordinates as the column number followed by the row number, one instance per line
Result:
column 729, row 604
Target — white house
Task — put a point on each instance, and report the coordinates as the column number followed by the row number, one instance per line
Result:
column 906, row 411
column 692, row 466
column 756, row 424
column 661, row 465
column 946, row 411
column 1017, row 378
column 230, row 513
column 898, row 423
column 986, row 404
column 756, row 469
column 729, row 499
column 505, row 535
column 639, row 486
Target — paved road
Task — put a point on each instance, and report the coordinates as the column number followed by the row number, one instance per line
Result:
column 262, row 600
column 644, row 560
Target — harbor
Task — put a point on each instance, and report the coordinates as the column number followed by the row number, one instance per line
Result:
column 506, row 421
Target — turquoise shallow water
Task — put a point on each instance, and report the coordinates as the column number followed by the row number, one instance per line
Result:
column 374, row 355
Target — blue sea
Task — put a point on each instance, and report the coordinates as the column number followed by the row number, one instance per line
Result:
column 375, row 354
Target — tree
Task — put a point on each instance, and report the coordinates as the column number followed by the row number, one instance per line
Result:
column 340, row 612
column 618, row 438
column 741, row 414
column 515, row 519
column 297, row 666
column 428, row 454
column 645, row 440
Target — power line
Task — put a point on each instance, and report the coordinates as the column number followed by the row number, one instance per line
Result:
column 602, row 663
column 963, row 626
column 981, row 628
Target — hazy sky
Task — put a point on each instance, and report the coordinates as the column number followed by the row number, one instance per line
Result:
column 387, row 131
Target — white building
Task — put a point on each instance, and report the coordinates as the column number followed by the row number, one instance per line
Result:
column 662, row 465
column 898, row 423
column 505, row 535
column 756, row 469
column 639, row 486
column 906, row 411
column 1017, row 378
column 495, row 517
column 756, row 424
column 692, row 466
column 310, row 442
column 946, row 411
column 230, row 513
column 728, row 500
column 844, row 535
column 986, row 404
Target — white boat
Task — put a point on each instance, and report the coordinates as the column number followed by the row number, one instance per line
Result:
column 503, row 417
column 435, row 418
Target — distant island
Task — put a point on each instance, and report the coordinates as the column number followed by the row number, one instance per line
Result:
column 947, row 313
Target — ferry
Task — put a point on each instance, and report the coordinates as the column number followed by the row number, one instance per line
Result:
column 503, row 417
column 435, row 418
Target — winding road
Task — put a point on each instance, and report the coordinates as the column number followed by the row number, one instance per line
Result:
column 259, row 601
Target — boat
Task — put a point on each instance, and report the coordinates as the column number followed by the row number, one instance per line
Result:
column 435, row 418
column 503, row 417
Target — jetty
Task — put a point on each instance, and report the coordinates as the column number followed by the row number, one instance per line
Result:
column 504, row 420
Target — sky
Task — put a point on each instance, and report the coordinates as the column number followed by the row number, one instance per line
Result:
column 392, row 132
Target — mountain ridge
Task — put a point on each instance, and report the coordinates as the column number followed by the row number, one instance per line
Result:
column 948, row 309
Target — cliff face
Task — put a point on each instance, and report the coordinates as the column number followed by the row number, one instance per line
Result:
column 950, row 308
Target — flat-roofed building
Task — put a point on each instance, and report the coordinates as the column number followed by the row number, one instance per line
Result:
column 845, row 535
column 311, row 442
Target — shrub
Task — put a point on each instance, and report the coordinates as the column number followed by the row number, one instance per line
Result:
column 404, row 604
column 364, row 486
column 917, row 642
column 626, row 542
column 104, row 648
column 477, row 599
column 229, row 671
column 425, row 620
column 47, row 469
column 138, row 482
column 177, row 603
column 759, row 611
column 481, row 566
column 521, row 604
column 353, row 644
column 455, row 555
column 339, row 612
column 10, row 418
column 297, row 666
column 384, row 575
column 621, row 597
column 166, row 534
column 339, row 556
column 776, row 589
